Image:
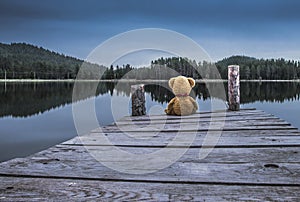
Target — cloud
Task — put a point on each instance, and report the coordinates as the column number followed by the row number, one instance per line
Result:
column 217, row 11
column 61, row 23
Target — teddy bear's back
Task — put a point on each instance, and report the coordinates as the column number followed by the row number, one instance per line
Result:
column 183, row 106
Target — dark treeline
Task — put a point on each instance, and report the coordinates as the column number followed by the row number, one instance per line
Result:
column 24, row 61
column 250, row 69
column 27, row 99
column 267, row 69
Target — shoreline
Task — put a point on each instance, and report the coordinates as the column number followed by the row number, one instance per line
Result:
column 130, row 80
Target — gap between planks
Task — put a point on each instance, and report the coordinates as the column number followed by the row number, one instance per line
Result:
column 148, row 181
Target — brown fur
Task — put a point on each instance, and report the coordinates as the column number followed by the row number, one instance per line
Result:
column 181, row 105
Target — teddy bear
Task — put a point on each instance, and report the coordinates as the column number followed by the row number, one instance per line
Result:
column 182, row 104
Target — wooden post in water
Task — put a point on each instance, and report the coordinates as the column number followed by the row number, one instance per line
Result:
column 138, row 100
column 234, row 87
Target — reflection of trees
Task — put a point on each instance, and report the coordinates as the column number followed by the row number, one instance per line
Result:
column 159, row 92
column 269, row 91
column 26, row 99
column 250, row 91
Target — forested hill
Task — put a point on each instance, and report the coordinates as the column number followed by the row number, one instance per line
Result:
column 24, row 61
column 21, row 60
column 252, row 68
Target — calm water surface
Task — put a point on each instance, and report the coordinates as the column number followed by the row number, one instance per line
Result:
column 35, row 116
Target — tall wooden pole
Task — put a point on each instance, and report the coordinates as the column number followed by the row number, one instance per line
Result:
column 138, row 100
column 234, row 87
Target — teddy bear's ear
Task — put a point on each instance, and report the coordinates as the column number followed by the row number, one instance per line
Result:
column 191, row 81
column 171, row 82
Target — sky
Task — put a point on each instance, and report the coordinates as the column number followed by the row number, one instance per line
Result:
column 257, row 28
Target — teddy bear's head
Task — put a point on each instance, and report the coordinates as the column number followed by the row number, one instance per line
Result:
column 181, row 85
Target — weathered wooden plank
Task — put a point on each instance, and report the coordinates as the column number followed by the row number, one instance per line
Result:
column 196, row 115
column 202, row 117
column 194, row 124
column 41, row 189
column 227, row 139
column 244, row 111
column 194, row 127
column 218, row 155
column 233, row 134
column 192, row 120
column 229, row 165
column 249, row 122
column 163, row 137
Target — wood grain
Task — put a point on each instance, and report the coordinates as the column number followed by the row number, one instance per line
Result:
column 256, row 158
column 45, row 189
column 230, row 165
column 227, row 139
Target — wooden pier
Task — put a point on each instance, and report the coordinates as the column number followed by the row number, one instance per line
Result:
column 257, row 157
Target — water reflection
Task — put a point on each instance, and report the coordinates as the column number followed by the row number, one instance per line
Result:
column 27, row 99
column 44, row 127
column 269, row 91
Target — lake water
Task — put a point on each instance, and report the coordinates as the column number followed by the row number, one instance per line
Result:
column 35, row 116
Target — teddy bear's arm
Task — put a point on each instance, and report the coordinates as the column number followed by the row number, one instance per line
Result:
column 195, row 104
column 170, row 109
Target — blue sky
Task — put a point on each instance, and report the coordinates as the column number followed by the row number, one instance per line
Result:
column 259, row 28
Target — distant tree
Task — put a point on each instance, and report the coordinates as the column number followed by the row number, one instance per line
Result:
column 247, row 72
